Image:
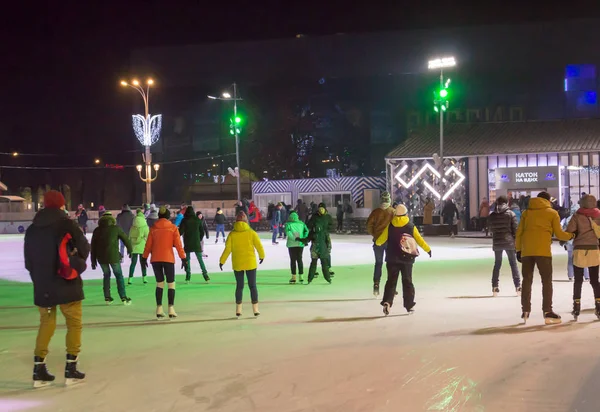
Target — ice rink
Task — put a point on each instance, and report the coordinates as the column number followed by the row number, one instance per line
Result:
column 314, row 348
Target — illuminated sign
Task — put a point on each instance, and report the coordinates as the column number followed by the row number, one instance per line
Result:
column 428, row 168
column 543, row 177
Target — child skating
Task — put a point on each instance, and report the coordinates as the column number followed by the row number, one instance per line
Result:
column 220, row 221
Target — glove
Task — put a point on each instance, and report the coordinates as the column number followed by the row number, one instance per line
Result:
column 129, row 255
column 429, row 253
column 144, row 262
column 184, row 264
column 260, row 261
column 221, row 266
column 519, row 257
column 94, row 265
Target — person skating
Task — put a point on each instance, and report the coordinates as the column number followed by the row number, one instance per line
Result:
column 254, row 216
column 302, row 210
column 484, row 213
column 163, row 237
column 101, row 211
column 220, row 221
column 82, row 218
column 428, row 209
column 205, row 230
column 192, row 230
column 378, row 221
column 533, row 245
column 296, row 228
column 402, row 238
column 339, row 214
column 320, row 239
column 50, row 289
column 138, row 235
column 180, row 215
column 152, row 217
column 242, row 244
column 275, row 222
column 105, row 251
column 585, row 250
column 125, row 221
column 514, row 207
column 348, row 214
column 448, row 213
column 283, row 214
column 503, row 225
column 569, row 248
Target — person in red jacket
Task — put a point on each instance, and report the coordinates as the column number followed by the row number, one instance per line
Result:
column 163, row 237
column 254, row 215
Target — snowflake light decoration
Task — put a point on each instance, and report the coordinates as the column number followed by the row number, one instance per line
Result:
column 147, row 130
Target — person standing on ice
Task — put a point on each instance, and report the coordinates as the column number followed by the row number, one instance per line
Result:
column 339, row 214
column 163, row 237
column 152, row 217
column 220, row 221
column 296, row 228
column 138, row 235
column 51, row 289
column 503, row 225
column 533, row 245
column 200, row 216
column 242, row 244
column 320, row 239
column 585, row 250
column 402, row 238
column 448, row 213
column 569, row 248
column 275, row 221
column 180, row 215
column 378, row 221
column 125, row 221
column 192, row 230
column 105, row 251
column 82, row 218
column 254, row 215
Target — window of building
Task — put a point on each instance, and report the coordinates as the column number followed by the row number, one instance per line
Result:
column 492, row 162
column 522, row 161
column 330, row 199
column 542, row 160
column 501, row 161
column 532, row 160
column 553, row 160
column 512, row 161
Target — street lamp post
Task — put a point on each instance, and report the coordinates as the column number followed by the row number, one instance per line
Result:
column 440, row 64
column 235, row 98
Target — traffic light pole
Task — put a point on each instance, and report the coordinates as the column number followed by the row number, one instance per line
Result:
column 237, row 143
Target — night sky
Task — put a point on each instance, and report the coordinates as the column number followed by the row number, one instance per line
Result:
column 62, row 63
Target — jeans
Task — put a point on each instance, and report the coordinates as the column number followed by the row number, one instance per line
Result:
column 221, row 230
column 296, row 259
column 275, row 232
column 592, row 275
column 408, row 289
column 570, row 271
column 134, row 261
column 239, row 289
column 72, row 313
column 514, row 267
column 379, row 252
column 121, row 248
column 340, row 224
column 544, row 265
column 118, row 272
column 188, row 269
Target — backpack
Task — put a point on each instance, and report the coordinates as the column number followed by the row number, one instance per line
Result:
column 70, row 265
column 409, row 246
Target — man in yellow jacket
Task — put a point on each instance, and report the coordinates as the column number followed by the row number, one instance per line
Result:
column 533, row 245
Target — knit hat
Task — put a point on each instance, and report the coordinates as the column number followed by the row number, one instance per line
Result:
column 164, row 213
column 53, row 199
column 401, row 210
column 386, row 198
column 322, row 204
column 588, row 202
column 126, row 207
column 241, row 217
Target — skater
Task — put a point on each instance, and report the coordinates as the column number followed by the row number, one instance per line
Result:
column 283, row 214
column 254, row 216
column 101, row 211
column 180, row 215
column 428, row 211
column 503, row 225
column 220, row 221
column 152, row 216
column 514, row 207
column 200, row 216
column 484, row 213
column 378, row 221
column 50, row 289
column 138, row 236
column 296, row 228
column 320, row 239
column 339, row 214
column 348, row 215
column 192, row 230
column 402, row 238
column 105, row 251
column 448, row 213
column 302, row 210
column 275, row 222
column 569, row 248
column 163, row 237
column 82, row 218
column 584, row 224
column 241, row 244
column 125, row 221
column 241, row 206
column 533, row 245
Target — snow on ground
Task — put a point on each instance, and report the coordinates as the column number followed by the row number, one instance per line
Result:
column 321, row 347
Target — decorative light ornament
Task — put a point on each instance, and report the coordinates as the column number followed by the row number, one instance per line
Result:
column 147, row 130
column 428, row 167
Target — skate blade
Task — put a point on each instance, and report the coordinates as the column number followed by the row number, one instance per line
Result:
column 552, row 321
column 73, row 382
column 172, row 317
column 160, row 317
column 41, row 384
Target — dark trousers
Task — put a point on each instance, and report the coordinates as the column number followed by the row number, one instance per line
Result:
column 296, row 260
column 514, row 267
column 162, row 271
column 379, row 252
column 188, row 269
column 118, row 272
column 340, row 224
column 594, row 270
column 325, row 265
column 275, row 229
column 449, row 220
column 134, row 261
column 282, row 231
column 239, row 289
column 394, row 270
column 544, row 265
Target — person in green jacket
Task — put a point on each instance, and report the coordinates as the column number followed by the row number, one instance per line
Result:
column 294, row 229
column 138, row 236
column 320, row 248
column 105, row 251
column 192, row 230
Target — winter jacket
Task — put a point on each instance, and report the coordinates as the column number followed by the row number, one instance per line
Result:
column 517, row 211
column 428, row 213
column 241, row 244
column 242, row 208
column 450, row 210
column 579, row 223
column 302, row 210
column 503, row 225
column 138, row 235
column 105, row 241
column 283, row 215
column 204, row 228
column 163, row 237
column 125, row 220
column 319, row 227
column 392, row 234
column 179, row 218
column 220, row 218
column 484, row 209
column 41, row 258
column 276, row 217
column 339, row 212
column 152, row 217
column 192, row 230
column 82, row 217
column 254, row 213
column 379, row 219
column 295, row 228
column 538, row 223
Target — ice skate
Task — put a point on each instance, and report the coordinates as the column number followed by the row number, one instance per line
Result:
column 275, row 243
column 293, row 280
column 411, row 309
column 495, row 291
column 386, row 308
column 216, row 241
column 41, row 376
column 238, row 309
column 301, row 280
column 525, row 316
column 376, row 289
column 144, row 280
column 129, row 282
column 518, row 290
column 597, row 311
column 255, row 309
column 72, row 375
column 126, row 301
column 552, row 318
column 160, row 313
column 206, row 277
column 108, row 301
column 172, row 313
column 576, row 308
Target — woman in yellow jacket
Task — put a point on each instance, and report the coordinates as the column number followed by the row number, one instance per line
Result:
column 241, row 244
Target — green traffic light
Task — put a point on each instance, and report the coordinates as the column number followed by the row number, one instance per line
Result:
column 443, row 93
column 238, row 119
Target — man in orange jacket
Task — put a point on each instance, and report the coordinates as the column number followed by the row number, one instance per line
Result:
column 163, row 237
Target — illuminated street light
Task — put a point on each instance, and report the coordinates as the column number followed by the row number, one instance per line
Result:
column 15, row 154
column 139, row 168
column 226, row 95
column 441, row 63
column 97, row 161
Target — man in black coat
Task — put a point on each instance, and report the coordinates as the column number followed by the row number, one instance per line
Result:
column 42, row 241
column 302, row 211
column 125, row 222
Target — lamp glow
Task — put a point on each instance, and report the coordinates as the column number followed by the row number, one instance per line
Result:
column 150, row 82
column 156, row 167
column 135, row 83
column 139, row 168
column 123, row 83
column 441, row 63
column 97, row 161
column 226, row 95
column 15, row 154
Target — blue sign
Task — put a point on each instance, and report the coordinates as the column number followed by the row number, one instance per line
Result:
column 550, row 176
column 504, row 178
column 21, row 229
